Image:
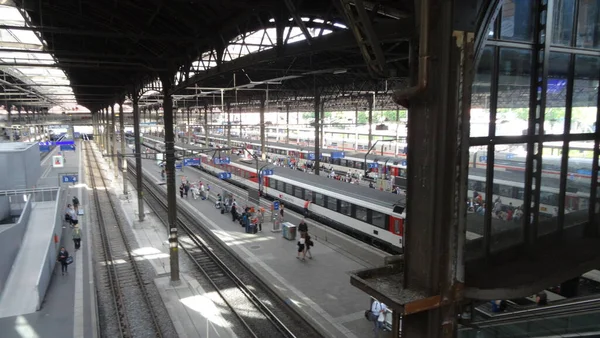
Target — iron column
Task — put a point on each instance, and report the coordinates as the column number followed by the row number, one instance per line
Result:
column 138, row 154
column 111, row 131
column 205, row 125
column 317, row 134
column 228, row 124
column 106, row 132
column 370, row 103
column 263, row 147
column 167, row 82
column 287, row 127
column 123, row 144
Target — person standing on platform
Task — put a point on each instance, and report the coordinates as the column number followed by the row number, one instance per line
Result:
column 378, row 316
column 306, row 205
column 281, row 207
column 307, row 245
column 301, row 246
column 63, row 254
column 77, row 237
column 74, row 219
column 234, row 211
column 76, row 204
column 181, row 189
column 303, row 228
column 186, row 188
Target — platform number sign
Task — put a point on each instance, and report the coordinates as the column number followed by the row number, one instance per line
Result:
column 225, row 176
column 483, row 159
column 69, row 179
column 373, row 165
column 267, row 172
column 222, row 160
column 276, row 205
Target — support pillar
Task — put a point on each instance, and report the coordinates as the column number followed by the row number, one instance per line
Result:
column 167, row 83
column 298, row 126
column 287, row 122
column 241, row 122
column 228, row 124
column 138, row 154
column 397, row 130
column 106, row 132
column 318, row 114
column 187, row 129
column 123, row 145
column 113, row 141
column 322, row 113
column 101, row 130
column 356, row 127
column 263, row 143
column 370, row 120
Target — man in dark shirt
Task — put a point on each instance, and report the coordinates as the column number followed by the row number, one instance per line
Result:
column 303, row 228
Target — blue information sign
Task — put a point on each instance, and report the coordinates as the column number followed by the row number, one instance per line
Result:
column 76, row 135
column 338, row 154
column 483, row 159
column 67, row 147
column 373, row 165
column 267, row 172
column 191, row 161
column 178, row 165
column 403, row 163
column 222, row 160
column 48, row 143
column 276, row 205
column 70, row 178
column 225, row 175
column 44, row 148
column 510, row 156
column 64, row 143
column 311, row 156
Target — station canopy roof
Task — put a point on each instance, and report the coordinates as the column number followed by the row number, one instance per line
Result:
column 31, row 76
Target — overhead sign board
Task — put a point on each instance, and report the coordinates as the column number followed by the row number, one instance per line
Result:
column 44, row 148
column 58, row 161
column 70, row 178
column 267, row 172
column 178, row 165
column 311, row 156
column 222, row 160
column 191, row 161
column 64, row 143
column 373, row 165
column 338, row 154
column 404, row 163
column 225, row 176
column 70, row 147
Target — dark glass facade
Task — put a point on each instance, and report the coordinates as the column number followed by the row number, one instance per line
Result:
column 533, row 156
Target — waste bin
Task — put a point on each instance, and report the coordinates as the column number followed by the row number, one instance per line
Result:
column 289, row 231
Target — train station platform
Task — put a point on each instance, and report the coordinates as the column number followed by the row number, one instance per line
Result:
column 38, row 301
column 320, row 288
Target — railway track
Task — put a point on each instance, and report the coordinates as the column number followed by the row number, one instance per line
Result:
column 245, row 295
column 121, row 269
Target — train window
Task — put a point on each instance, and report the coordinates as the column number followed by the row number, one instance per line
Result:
column 360, row 213
column 272, row 183
column 289, row 189
column 308, row 195
column 298, row 192
column 280, row 186
column 506, row 191
column 345, row 208
column 397, row 227
column 332, row 203
column 476, row 186
column 319, row 199
column 360, row 165
column 378, row 219
column 548, row 198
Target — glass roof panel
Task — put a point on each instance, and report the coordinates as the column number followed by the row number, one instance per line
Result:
column 21, row 63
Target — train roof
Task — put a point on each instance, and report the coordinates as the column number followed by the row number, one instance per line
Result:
column 373, row 196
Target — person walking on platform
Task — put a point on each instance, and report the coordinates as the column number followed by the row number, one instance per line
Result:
column 378, row 316
column 63, row 254
column 281, row 207
column 77, row 237
column 74, row 219
column 186, row 188
column 308, row 243
column 301, row 246
column 181, row 188
column 76, row 204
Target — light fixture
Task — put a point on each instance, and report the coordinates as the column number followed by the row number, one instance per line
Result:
column 340, row 71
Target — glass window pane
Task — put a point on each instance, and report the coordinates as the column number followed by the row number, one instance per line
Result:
column 588, row 29
column 345, row 208
column 517, row 20
column 272, row 183
column 331, row 203
column 476, row 200
column 578, row 182
column 308, row 195
column 480, row 97
column 298, row 192
column 585, row 94
column 378, row 219
column 319, row 199
column 361, row 213
column 562, row 27
column 280, row 185
column 556, row 93
column 289, row 189
column 509, row 178
column 513, row 92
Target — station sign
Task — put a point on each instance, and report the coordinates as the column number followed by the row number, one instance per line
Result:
column 373, row 165
column 483, row 159
column 222, row 160
column 276, row 205
column 179, row 166
column 70, row 147
column 338, row 154
column 191, row 161
column 44, row 148
column 225, row 176
column 70, row 178
column 76, row 135
column 58, row 161
column 404, row 163
column 64, row 143
column 267, row 172
column 311, row 156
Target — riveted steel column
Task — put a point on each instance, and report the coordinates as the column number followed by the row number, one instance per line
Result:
column 123, row 145
column 206, row 142
column 106, row 132
column 318, row 106
column 113, row 145
column 287, row 127
column 240, row 107
column 167, row 83
column 188, row 127
column 370, row 103
column 356, row 127
column 138, row 155
column 263, row 141
column 229, row 124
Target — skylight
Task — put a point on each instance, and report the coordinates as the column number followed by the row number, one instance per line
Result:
column 23, row 51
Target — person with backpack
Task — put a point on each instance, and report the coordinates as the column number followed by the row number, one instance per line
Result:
column 308, row 244
column 76, row 204
column 77, row 237
column 63, row 254
column 378, row 310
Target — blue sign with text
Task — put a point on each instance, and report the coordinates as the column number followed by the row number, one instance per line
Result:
column 178, row 165
column 338, row 154
column 483, row 159
column 44, row 148
column 65, row 143
column 191, row 161
column 225, row 175
column 373, row 165
column 510, row 156
column 311, row 156
column 70, row 178
column 267, row 172
column 222, row 160
column 67, row 147
column 276, row 205
column 404, row 163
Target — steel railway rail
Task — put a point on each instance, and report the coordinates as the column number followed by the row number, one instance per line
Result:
column 115, row 247
column 257, row 318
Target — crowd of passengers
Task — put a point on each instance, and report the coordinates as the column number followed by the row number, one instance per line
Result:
column 500, row 211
